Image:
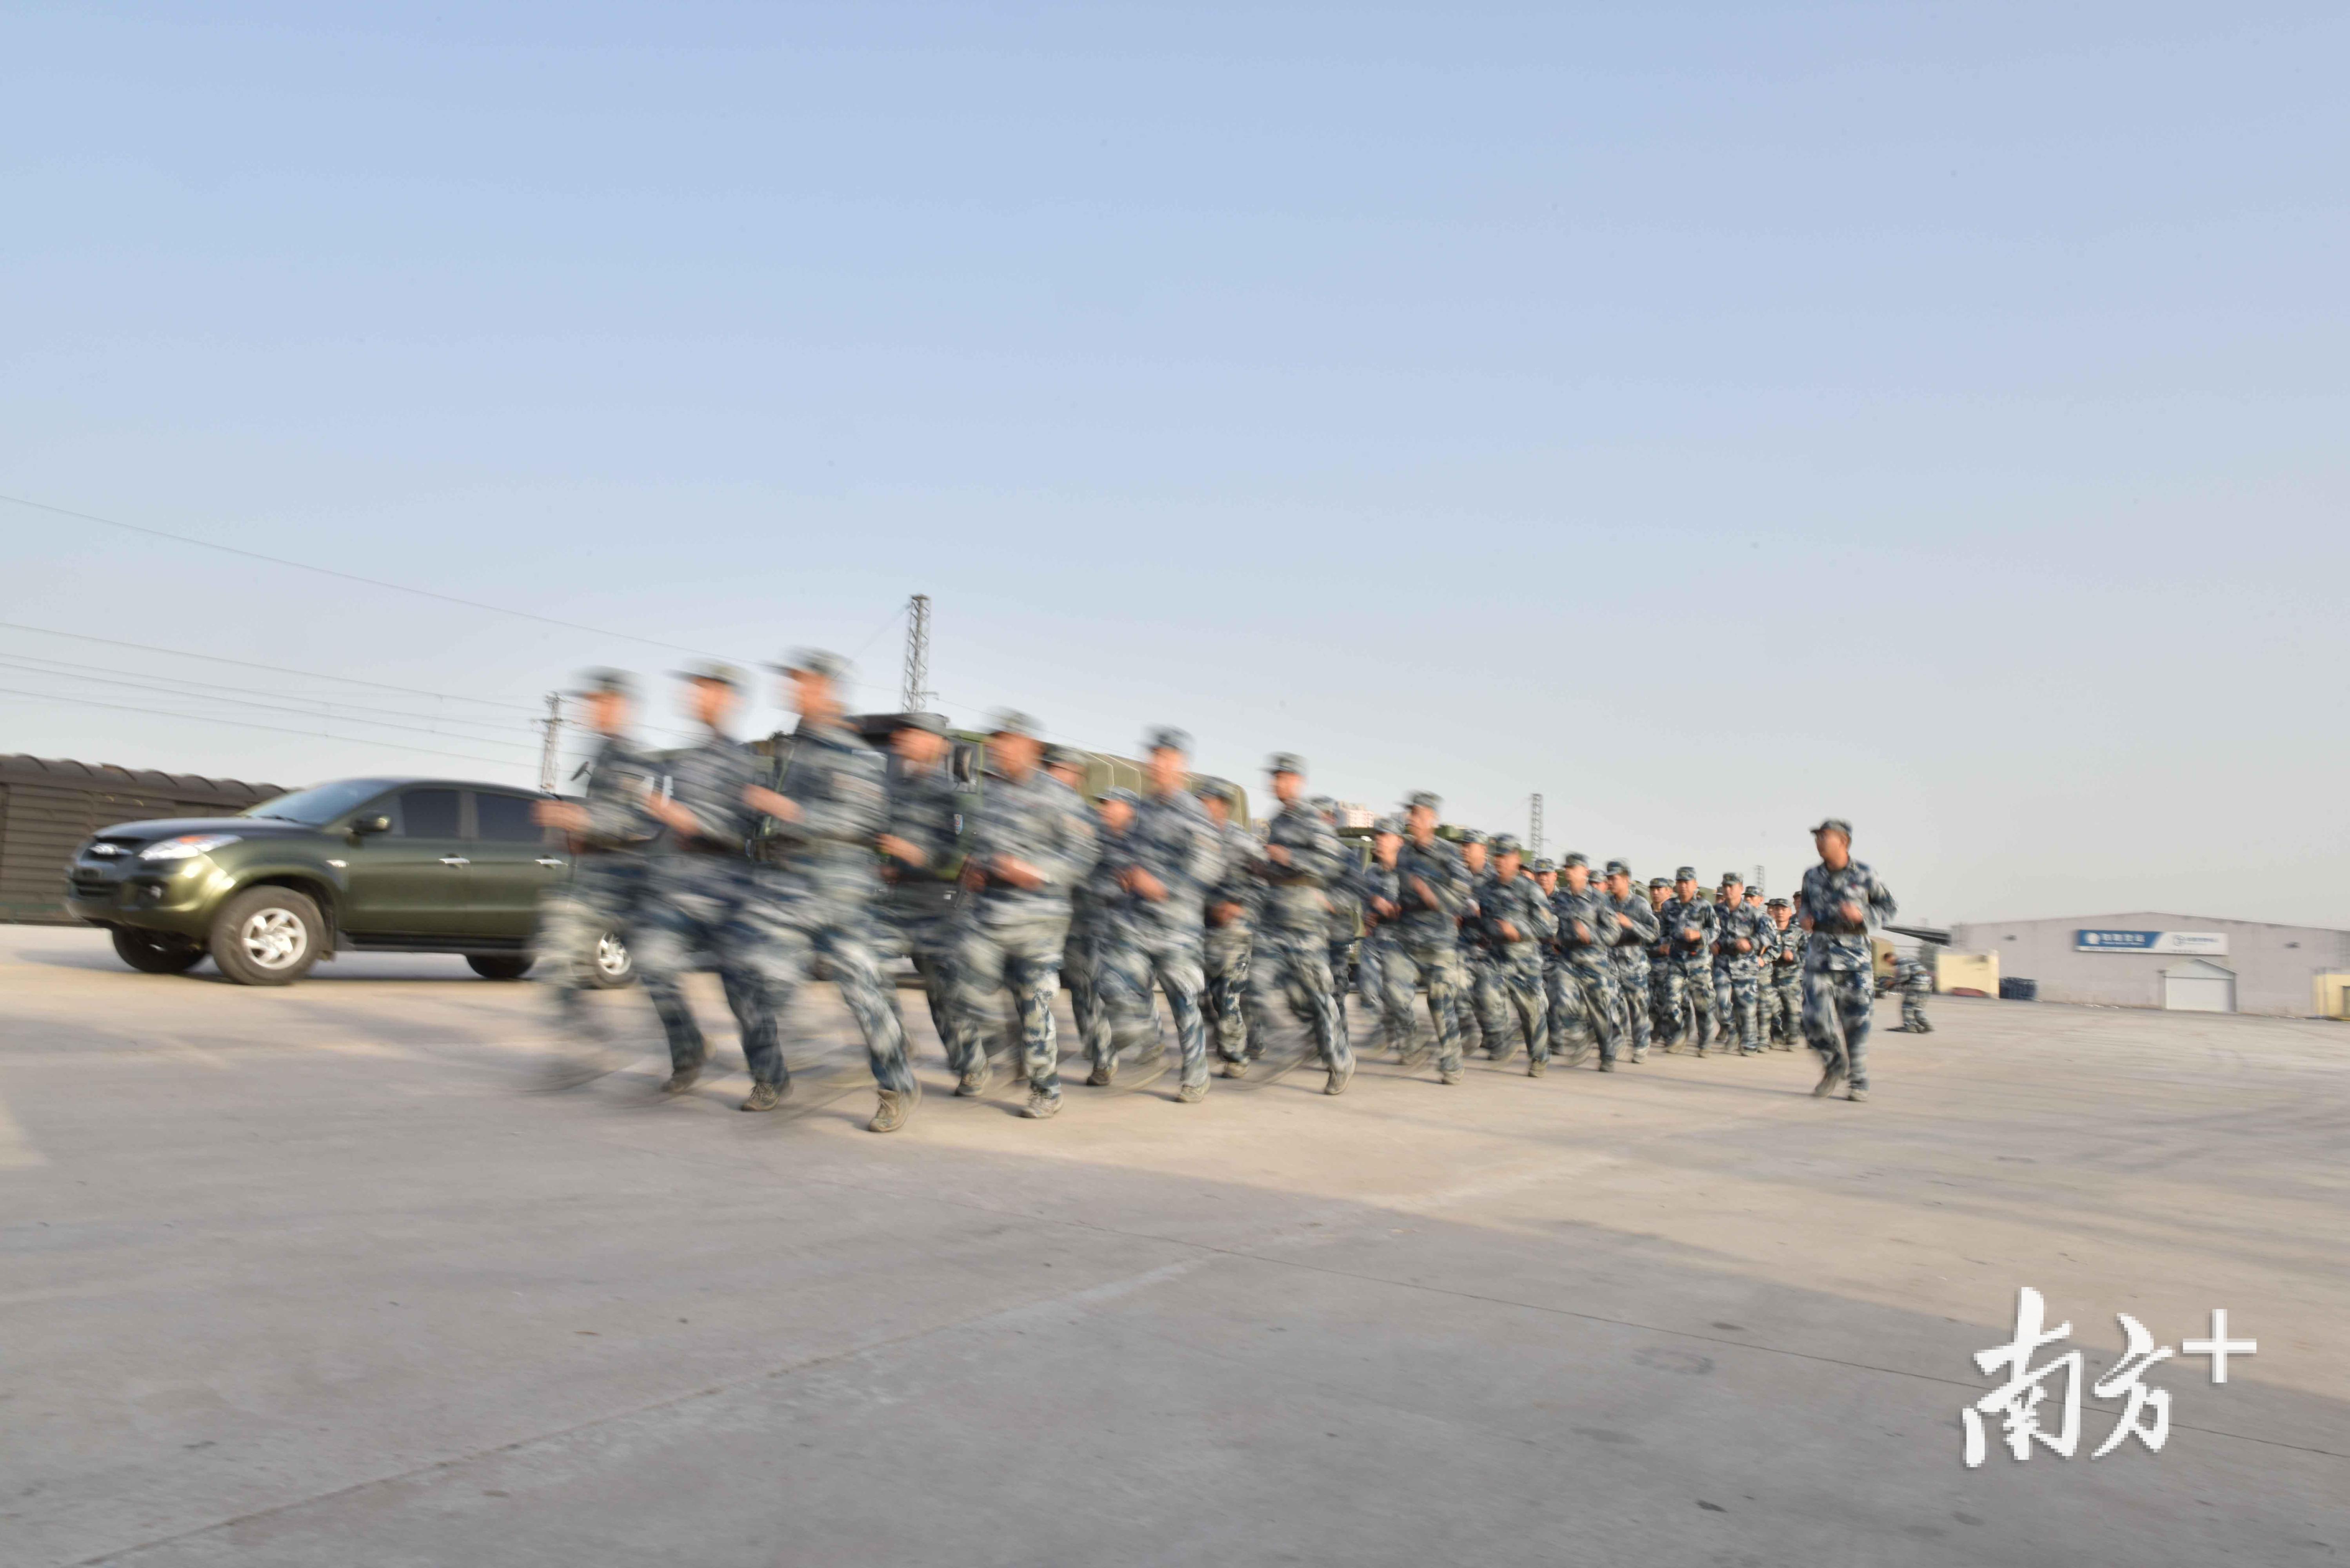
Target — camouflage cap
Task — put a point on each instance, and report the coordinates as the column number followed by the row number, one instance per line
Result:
column 1778, row 904
column 1012, row 722
column 1576, row 857
column 1545, row 866
column 713, row 672
column 1285, row 763
column 1423, row 797
column 1727, row 878
column 1656, row 882
column 1121, row 795
column 1066, row 757
column 1473, row 836
column 1615, row 868
column 1167, row 737
column 1685, row 874
column 1214, row 789
column 606, row 683
column 1835, row 825
column 813, row 662
column 1390, row 825
column 1506, row 844
column 928, row 723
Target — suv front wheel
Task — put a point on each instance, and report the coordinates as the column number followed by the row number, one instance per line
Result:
column 267, row 936
column 157, row 953
column 500, row 966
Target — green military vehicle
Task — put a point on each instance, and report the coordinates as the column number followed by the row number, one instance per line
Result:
column 383, row 865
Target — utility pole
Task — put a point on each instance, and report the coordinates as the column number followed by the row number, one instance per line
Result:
column 917, row 695
column 1534, row 829
column 551, row 745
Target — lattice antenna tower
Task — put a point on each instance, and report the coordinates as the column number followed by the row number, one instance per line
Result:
column 917, row 694
column 1534, row 828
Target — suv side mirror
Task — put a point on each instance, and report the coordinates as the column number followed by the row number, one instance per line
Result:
column 366, row 824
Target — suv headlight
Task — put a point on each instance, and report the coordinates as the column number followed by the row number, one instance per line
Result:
column 187, row 847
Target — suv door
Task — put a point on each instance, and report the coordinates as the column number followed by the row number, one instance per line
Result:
column 514, row 860
column 411, row 881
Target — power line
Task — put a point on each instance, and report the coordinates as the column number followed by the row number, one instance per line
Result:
column 249, row 724
column 266, row 707
column 203, row 690
column 272, row 668
column 353, row 576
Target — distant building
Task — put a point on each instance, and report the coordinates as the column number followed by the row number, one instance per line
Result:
column 2192, row 963
column 1355, row 814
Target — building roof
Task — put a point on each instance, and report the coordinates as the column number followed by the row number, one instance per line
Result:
column 18, row 768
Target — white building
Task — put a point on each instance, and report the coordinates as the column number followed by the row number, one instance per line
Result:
column 2185, row 962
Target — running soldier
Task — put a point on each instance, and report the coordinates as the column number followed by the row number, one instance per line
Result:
column 700, row 895
column 1661, row 964
column 1172, row 857
column 1740, row 934
column 1518, row 930
column 1344, row 892
column 815, row 881
column 584, row 922
column 1291, row 961
column 1096, row 907
column 920, row 866
column 1475, row 958
column 1382, row 908
column 1586, row 989
column 1917, row 985
column 1687, row 920
column 1634, row 924
column 1232, row 930
column 1840, row 902
column 1432, row 897
column 1031, row 841
column 1784, row 975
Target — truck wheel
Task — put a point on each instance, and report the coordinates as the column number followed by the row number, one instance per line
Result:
column 157, row 953
column 611, row 966
column 499, row 966
column 267, row 936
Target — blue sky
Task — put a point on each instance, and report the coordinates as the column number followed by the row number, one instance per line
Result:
column 1709, row 416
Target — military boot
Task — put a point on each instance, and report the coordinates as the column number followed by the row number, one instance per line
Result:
column 975, row 1080
column 1191, row 1094
column 1104, row 1074
column 1041, row 1105
column 1829, row 1077
column 1535, row 1066
column 682, row 1078
column 1339, row 1078
column 764, row 1097
column 894, row 1110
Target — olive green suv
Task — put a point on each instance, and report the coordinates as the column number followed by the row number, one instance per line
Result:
column 383, row 865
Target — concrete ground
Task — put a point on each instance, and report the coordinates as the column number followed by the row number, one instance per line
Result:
column 314, row 1276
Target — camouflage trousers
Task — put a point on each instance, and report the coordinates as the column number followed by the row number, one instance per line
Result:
column 792, row 927
column 1369, row 953
column 1688, row 999
column 603, row 897
column 700, row 913
column 1838, row 1006
column 1123, row 971
column 1435, row 961
column 1466, row 1024
column 1019, row 952
column 1737, row 998
column 1913, row 1013
column 1344, row 956
column 1080, row 953
column 1225, row 956
column 1510, row 985
column 928, row 941
column 1583, row 1001
column 1294, row 968
column 1633, row 979
column 1783, row 1005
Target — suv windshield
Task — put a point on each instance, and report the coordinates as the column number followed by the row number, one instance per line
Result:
column 321, row 803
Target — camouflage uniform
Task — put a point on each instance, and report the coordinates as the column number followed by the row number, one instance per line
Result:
column 1161, row 939
column 703, row 909
column 1227, row 950
column 922, row 900
column 1379, row 943
column 1292, row 962
column 1012, row 937
column 1511, row 981
column 1741, row 974
column 1345, row 893
column 1474, row 956
column 815, row 880
column 1917, row 985
column 1584, row 985
column 606, row 890
column 1839, row 985
column 1633, row 943
column 1096, row 902
column 1689, row 989
column 1427, row 947
column 1661, row 967
column 1784, row 982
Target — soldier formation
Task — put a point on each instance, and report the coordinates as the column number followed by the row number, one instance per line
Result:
column 758, row 867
